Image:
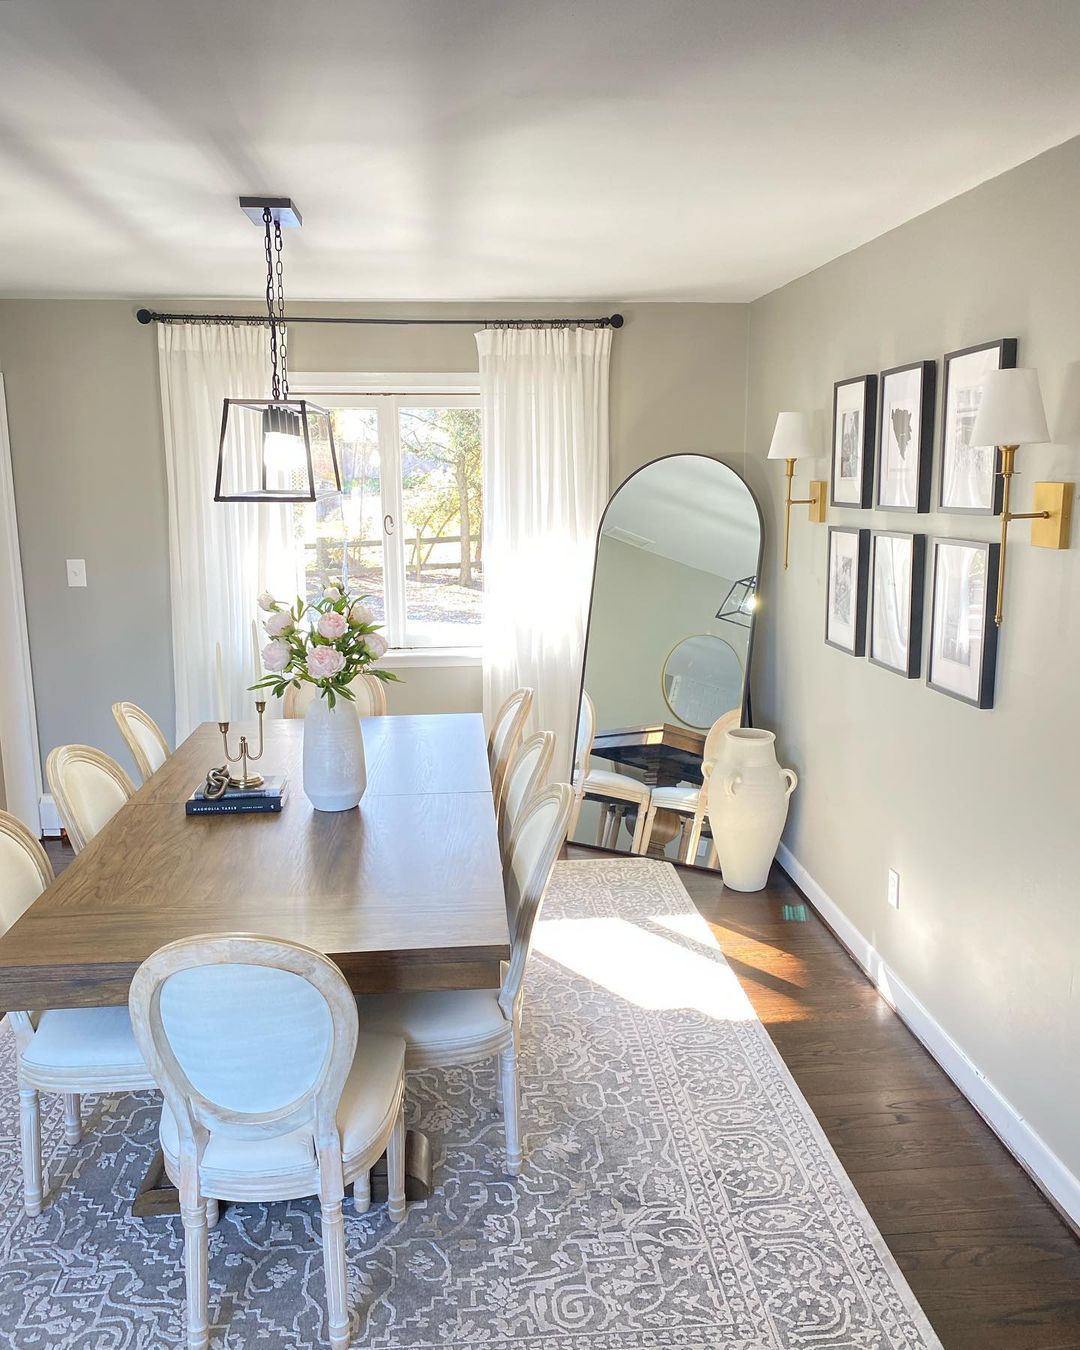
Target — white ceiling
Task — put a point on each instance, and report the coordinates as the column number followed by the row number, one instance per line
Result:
column 504, row 149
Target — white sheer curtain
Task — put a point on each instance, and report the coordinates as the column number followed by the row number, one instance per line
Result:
column 222, row 554
column 544, row 410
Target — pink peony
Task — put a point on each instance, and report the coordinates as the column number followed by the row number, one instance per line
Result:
column 324, row 662
column 332, row 625
column 332, row 593
column 275, row 655
column 279, row 623
column 267, row 602
column 360, row 614
column 376, row 644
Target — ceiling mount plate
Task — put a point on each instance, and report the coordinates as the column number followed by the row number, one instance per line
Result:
column 283, row 210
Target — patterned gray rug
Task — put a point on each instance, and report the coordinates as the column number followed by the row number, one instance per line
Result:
column 678, row 1193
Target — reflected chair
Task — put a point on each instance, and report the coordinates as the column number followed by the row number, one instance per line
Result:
column 617, row 793
column 369, row 695
column 270, row 1093
column 89, row 787
column 505, row 738
column 143, row 738
column 528, row 773
column 692, row 802
column 465, row 1026
column 67, row 1050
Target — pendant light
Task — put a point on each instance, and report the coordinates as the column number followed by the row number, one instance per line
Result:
column 275, row 449
column 740, row 602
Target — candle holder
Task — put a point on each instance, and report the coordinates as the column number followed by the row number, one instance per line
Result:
column 244, row 755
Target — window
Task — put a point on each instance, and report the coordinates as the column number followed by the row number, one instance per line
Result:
column 408, row 524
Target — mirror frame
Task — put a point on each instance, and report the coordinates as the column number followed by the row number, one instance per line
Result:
column 747, row 709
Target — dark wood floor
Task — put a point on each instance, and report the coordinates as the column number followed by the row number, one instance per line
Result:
column 990, row 1261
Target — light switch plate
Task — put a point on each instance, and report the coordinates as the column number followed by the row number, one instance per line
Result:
column 76, row 571
column 894, row 888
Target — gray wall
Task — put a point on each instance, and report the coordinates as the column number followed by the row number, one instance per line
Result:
column 977, row 810
column 89, row 473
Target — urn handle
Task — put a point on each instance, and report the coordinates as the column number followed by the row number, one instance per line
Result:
column 793, row 780
column 731, row 782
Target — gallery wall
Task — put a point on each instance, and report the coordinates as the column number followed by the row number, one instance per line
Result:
column 975, row 809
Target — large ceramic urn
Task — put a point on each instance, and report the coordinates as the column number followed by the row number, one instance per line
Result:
column 748, row 804
column 335, row 774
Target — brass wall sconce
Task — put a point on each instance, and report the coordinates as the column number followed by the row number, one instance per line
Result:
column 793, row 438
column 1011, row 414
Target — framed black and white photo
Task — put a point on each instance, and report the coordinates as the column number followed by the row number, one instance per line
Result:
column 845, row 598
column 969, row 482
column 854, row 421
column 905, row 437
column 963, row 635
column 897, row 583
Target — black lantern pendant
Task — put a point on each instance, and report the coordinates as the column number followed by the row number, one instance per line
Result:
column 738, row 606
column 275, row 449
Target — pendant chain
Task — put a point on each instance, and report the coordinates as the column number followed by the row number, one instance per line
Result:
column 275, row 309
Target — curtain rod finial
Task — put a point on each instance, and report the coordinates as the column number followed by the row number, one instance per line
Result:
column 144, row 315
column 617, row 321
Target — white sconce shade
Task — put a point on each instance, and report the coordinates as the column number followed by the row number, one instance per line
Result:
column 1011, row 410
column 793, row 437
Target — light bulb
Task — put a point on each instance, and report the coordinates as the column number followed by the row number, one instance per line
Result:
column 283, row 454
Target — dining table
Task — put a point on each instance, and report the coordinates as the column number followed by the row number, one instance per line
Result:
column 404, row 892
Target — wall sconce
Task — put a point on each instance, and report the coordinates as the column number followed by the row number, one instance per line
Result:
column 1011, row 414
column 793, row 438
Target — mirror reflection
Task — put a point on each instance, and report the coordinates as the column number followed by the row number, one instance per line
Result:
column 667, row 656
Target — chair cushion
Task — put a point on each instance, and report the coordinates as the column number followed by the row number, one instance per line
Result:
column 441, row 1025
column 369, row 1093
column 620, row 785
column 676, row 798
column 91, row 1038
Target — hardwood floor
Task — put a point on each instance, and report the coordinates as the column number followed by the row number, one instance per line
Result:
column 990, row 1261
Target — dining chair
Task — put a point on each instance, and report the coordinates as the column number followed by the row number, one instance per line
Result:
column 464, row 1026
column 143, row 738
column 617, row 793
column 88, row 787
column 65, row 1050
column 270, row 1092
column 506, row 734
column 369, row 696
column 692, row 803
column 527, row 774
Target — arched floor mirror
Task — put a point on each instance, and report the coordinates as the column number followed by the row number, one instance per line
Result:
column 667, row 657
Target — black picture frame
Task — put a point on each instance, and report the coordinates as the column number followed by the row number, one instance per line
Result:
column 924, row 449
column 1006, row 350
column 866, row 407
column 982, row 695
column 860, row 575
column 913, row 624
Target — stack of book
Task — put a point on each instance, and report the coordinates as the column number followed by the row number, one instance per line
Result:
column 265, row 799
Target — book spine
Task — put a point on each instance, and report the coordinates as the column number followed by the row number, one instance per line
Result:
column 262, row 806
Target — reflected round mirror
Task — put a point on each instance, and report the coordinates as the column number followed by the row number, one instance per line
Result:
column 702, row 679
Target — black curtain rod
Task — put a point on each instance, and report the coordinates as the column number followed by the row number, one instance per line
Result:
column 153, row 316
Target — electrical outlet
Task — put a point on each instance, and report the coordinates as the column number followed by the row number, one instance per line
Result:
column 76, row 571
column 894, row 888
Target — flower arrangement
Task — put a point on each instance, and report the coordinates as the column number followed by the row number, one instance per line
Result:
column 340, row 641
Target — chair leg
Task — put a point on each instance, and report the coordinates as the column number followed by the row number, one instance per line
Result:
column 333, row 1237
column 361, row 1193
column 602, row 824
column 72, row 1118
column 30, row 1132
column 646, row 834
column 193, row 1214
column 637, row 844
column 395, row 1168
column 713, row 859
column 213, row 1212
column 508, row 1067
column 693, row 839
column 615, row 820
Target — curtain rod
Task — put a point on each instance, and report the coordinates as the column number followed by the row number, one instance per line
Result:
column 153, row 316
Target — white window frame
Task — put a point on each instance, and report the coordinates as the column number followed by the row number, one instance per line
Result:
column 387, row 393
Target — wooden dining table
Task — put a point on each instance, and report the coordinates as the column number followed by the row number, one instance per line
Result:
column 403, row 893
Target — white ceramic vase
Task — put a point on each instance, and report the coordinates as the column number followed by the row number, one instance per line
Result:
column 748, row 805
column 335, row 775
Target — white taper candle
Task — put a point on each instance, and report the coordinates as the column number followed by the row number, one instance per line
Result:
column 222, row 706
column 256, row 663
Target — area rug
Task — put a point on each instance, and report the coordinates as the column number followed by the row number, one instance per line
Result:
column 678, row 1193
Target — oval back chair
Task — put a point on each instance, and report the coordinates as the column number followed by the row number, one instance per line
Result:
column 506, row 734
column 526, row 776
column 89, row 787
column 143, row 738
column 369, row 696
column 692, row 803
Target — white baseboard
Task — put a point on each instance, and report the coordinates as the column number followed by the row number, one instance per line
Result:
column 49, row 816
column 1041, row 1163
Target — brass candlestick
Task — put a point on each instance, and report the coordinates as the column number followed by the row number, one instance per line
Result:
column 245, row 755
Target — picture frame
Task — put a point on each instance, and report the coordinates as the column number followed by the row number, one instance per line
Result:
column 897, row 599
column 851, row 477
column 845, row 589
column 968, row 479
column 906, row 400
column 962, row 658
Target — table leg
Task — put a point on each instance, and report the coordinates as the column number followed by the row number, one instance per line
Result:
column 157, row 1196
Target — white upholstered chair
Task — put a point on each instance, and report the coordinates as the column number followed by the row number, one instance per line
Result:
column 617, row 793
column 369, row 695
column 88, row 787
column 468, row 1025
column 143, row 738
column 505, row 738
column 270, row 1092
column 67, row 1050
column 527, row 774
column 692, row 802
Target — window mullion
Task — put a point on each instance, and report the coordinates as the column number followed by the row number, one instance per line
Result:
column 393, row 545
